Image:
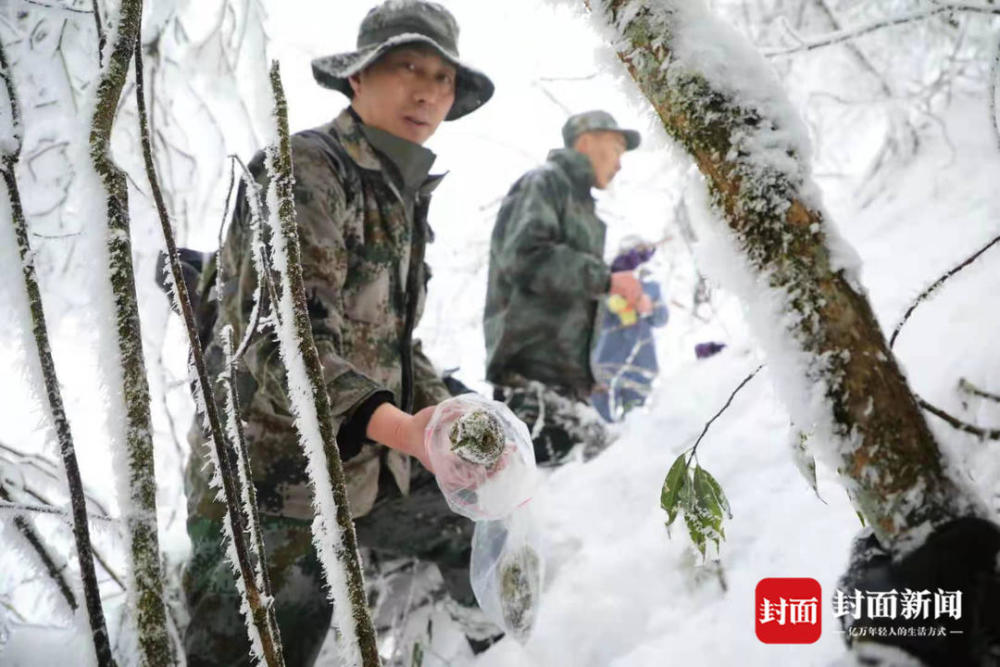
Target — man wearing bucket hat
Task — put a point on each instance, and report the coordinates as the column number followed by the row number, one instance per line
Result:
column 546, row 275
column 362, row 190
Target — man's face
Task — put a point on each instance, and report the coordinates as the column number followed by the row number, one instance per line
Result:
column 407, row 92
column 605, row 149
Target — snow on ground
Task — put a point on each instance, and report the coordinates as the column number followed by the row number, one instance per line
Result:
column 619, row 590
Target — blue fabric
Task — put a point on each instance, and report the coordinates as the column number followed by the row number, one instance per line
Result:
column 624, row 357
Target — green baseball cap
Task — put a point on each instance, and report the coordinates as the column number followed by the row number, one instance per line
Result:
column 594, row 121
column 397, row 23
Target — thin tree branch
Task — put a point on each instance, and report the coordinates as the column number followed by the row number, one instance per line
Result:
column 694, row 448
column 59, row 7
column 256, row 598
column 965, row 427
column 333, row 536
column 262, row 610
column 936, row 285
column 32, row 538
column 81, row 530
column 855, row 50
column 101, row 37
column 878, row 24
column 18, row 508
column 970, row 388
column 994, row 84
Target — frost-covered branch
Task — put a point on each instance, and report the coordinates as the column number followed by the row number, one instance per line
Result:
column 48, row 560
column 137, row 481
column 852, row 32
column 333, row 531
column 720, row 101
column 954, row 422
column 262, row 608
column 10, row 151
column 49, row 469
column 855, row 50
column 48, row 507
column 936, row 285
column 994, row 90
column 263, row 634
column 970, row 388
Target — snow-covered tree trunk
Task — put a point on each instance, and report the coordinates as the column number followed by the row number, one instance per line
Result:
column 718, row 99
column 240, row 501
column 139, row 503
column 333, row 531
column 10, row 150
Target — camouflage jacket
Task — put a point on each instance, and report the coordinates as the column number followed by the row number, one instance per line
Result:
column 546, row 273
column 362, row 250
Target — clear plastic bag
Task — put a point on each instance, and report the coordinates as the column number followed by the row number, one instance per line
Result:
column 507, row 571
column 482, row 457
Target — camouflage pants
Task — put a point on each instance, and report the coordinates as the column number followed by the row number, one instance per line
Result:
column 556, row 419
column 419, row 525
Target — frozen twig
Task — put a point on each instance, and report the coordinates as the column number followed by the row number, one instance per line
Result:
column 81, row 531
column 694, row 448
column 989, row 433
column 994, row 85
column 102, row 39
column 853, row 32
column 257, row 600
column 333, row 530
column 970, row 388
column 32, row 538
column 936, row 285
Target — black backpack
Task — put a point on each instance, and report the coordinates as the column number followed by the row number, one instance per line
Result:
column 199, row 270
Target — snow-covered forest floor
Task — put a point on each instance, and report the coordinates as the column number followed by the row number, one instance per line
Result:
column 619, row 589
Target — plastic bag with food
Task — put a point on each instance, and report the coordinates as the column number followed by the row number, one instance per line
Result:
column 507, row 570
column 482, row 457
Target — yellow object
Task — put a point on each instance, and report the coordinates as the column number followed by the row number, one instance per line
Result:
column 619, row 306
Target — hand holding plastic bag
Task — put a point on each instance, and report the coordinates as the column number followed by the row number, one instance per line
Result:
column 482, row 457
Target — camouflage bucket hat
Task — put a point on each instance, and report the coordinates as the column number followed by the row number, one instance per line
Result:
column 395, row 23
column 593, row 121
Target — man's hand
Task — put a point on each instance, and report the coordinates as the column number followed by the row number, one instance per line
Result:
column 627, row 286
column 394, row 428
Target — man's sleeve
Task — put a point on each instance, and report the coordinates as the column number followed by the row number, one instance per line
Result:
column 532, row 253
column 428, row 387
column 321, row 208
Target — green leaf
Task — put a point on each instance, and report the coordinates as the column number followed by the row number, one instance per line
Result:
column 696, row 531
column 720, row 496
column 673, row 486
column 708, row 500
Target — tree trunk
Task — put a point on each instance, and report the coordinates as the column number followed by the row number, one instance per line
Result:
column 718, row 99
column 81, row 530
column 139, row 507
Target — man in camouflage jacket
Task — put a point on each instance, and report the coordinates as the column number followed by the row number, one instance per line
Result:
column 362, row 191
column 546, row 275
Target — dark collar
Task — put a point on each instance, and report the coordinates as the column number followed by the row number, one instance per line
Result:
column 359, row 140
column 576, row 166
